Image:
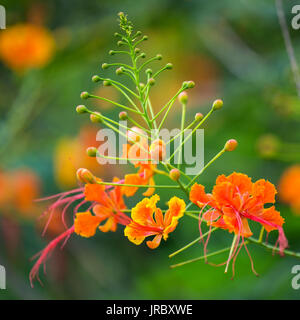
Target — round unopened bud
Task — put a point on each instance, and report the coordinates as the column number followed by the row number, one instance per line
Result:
column 138, row 33
column 158, row 56
column 119, row 71
column 190, row 84
column 151, row 82
column 111, row 52
column 84, row 95
column 158, row 150
column 230, row 145
column 169, row 66
column 123, row 115
column 143, row 55
column 142, row 85
column 106, row 83
column 137, row 50
column 174, row 174
column 121, row 14
column 96, row 78
column 119, row 43
column 199, row 116
column 149, row 71
column 145, row 38
column 116, row 34
column 183, row 97
column 91, row 152
column 217, row 104
column 135, row 134
column 96, row 117
column 85, row 176
column 105, row 65
column 81, row 109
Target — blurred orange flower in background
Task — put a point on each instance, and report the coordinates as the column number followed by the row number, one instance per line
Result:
column 18, row 190
column 289, row 187
column 70, row 155
column 25, row 46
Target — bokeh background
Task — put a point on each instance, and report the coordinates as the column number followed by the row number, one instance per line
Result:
column 233, row 50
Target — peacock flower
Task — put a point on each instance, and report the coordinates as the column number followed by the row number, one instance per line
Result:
column 289, row 187
column 26, row 46
column 148, row 220
column 109, row 207
column 235, row 200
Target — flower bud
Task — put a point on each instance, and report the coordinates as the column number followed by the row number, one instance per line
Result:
column 119, row 71
column 119, row 43
column 145, row 38
column 169, row 66
column 138, row 33
column 111, row 52
column 81, row 109
column 96, row 78
column 230, row 145
column 199, row 116
column 137, row 50
column 106, row 83
column 151, row 82
column 183, row 97
column 142, row 85
column 143, row 55
column 149, row 71
column 91, row 152
column 84, row 95
column 105, row 65
column 96, row 117
column 85, row 176
column 158, row 56
column 191, row 84
column 158, row 150
column 123, row 115
column 174, row 174
column 217, row 104
column 135, row 134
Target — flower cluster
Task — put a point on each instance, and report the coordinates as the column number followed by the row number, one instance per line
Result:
column 101, row 205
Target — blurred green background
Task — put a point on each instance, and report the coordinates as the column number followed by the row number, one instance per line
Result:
column 233, row 50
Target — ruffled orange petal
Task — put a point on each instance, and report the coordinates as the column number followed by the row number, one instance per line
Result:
column 273, row 216
column 264, row 190
column 133, row 178
column 198, row 195
column 241, row 182
column 94, row 192
column 176, row 211
column 110, row 225
column 155, row 242
column 143, row 212
column 149, row 192
column 86, row 224
column 134, row 234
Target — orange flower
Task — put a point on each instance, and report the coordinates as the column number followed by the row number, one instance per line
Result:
column 235, row 200
column 109, row 207
column 289, row 187
column 144, row 224
column 26, row 46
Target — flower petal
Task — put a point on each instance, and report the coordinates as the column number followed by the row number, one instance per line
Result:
column 86, row 224
column 155, row 242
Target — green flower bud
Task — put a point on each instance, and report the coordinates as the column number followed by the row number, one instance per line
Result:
column 169, row 66
column 137, row 50
column 143, row 55
column 191, row 84
column 96, row 117
column 151, row 82
column 106, row 83
column 199, row 116
column 119, row 43
column 105, row 66
column 138, row 33
column 145, row 38
column 111, row 52
column 217, row 104
column 174, row 174
column 183, row 97
column 149, row 71
column 230, row 145
column 119, row 71
column 81, row 109
column 123, row 115
column 96, row 78
column 91, row 152
column 158, row 56
column 84, row 95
